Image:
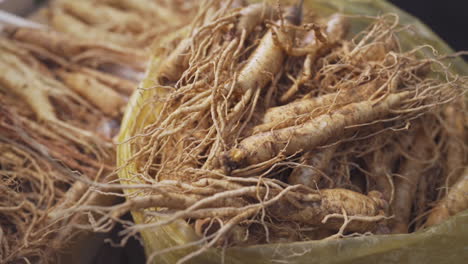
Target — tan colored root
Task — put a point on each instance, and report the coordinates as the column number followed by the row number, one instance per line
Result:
column 99, row 94
column 253, row 15
column 287, row 141
column 265, row 61
column 81, row 50
column 64, row 22
column 35, row 93
column 287, row 115
column 105, row 17
column 405, row 185
column 310, row 207
column 456, row 146
column 333, row 201
column 150, row 9
column 117, row 83
column 312, row 167
column 335, row 31
column 368, row 220
column 381, row 164
column 27, row 80
column 455, row 202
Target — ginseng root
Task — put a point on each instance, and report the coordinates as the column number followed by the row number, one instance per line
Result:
column 287, row 115
column 381, row 164
column 312, row 167
column 107, row 100
column 105, row 17
column 406, row 184
column 336, row 29
column 81, row 50
column 455, row 202
column 331, row 205
column 288, row 141
column 26, row 83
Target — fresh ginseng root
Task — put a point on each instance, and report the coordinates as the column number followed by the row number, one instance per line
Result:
column 312, row 167
column 331, row 208
column 410, row 172
column 455, row 202
column 287, row 141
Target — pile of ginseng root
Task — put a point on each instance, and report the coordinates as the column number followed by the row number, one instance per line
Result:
column 63, row 90
column 272, row 124
column 58, row 115
column 127, row 23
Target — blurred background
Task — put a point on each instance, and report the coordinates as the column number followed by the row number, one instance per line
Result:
column 448, row 18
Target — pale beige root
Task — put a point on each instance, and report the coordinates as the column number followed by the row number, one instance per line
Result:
column 175, row 64
column 102, row 96
column 454, row 116
column 177, row 61
column 54, row 112
column 287, row 141
column 312, row 167
column 80, row 152
column 120, row 84
column 20, row 80
column 455, row 202
column 81, row 51
column 287, row 115
column 325, row 208
column 150, row 9
column 26, row 80
column 336, row 29
column 105, row 17
column 64, row 22
column 266, row 60
column 252, row 16
column 117, row 83
column 409, row 173
column 37, row 184
column 333, row 203
column 262, row 64
column 381, row 165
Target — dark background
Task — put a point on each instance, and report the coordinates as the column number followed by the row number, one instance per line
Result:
column 448, row 18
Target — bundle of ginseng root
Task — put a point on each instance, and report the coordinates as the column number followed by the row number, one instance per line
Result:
column 57, row 120
column 126, row 23
column 270, row 124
